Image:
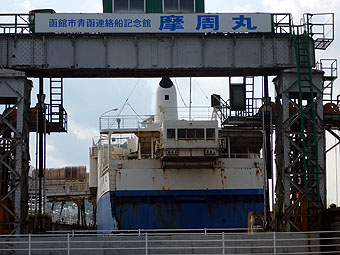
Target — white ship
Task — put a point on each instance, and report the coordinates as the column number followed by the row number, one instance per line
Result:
column 167, row 172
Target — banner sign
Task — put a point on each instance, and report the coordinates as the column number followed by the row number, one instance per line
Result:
column 153, row 23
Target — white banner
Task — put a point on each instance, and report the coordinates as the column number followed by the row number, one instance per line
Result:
column 153, row 23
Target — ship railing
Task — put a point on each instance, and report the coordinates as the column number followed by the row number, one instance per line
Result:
column 195, row 113
column 241, row 155
column 117, row 140
column 121, row 122
column 217, row 241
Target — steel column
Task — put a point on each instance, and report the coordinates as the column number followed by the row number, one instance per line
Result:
column 290, row 189
column 15, row 92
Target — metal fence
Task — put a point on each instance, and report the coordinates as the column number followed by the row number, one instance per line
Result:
column 173, row 242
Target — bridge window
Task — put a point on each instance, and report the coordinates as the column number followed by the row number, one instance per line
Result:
column 210, row 133
column 170, row 133
column 125, row 6
column 179, row 6
column 190, row 134
column 200, row 133
column 182, row 133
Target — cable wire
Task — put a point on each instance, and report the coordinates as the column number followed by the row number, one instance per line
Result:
column 134, row 110
column 127, row 99
column 180, row 94
column 202, row 90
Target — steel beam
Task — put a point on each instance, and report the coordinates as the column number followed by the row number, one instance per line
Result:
column 148, row 55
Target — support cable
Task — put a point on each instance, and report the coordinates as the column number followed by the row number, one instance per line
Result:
column 179, row 92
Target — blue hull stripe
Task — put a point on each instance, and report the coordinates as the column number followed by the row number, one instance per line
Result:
column 185, row 209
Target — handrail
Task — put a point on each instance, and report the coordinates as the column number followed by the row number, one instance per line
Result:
column 57, row 118
column 282, row 23
column 330, row 67
column 19, row 23
column 208, row 241
column 253, row 106
column 14, row 24
column 171, row 231
column 202, row 113
column 320, row 26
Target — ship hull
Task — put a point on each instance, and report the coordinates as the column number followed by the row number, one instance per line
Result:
column 178, row 209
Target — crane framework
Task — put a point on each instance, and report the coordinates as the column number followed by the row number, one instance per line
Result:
column 288, row 53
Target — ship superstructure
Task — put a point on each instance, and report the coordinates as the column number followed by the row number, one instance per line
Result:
column 170, row 172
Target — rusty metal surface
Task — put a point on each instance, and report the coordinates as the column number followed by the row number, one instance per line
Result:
column 71, row 173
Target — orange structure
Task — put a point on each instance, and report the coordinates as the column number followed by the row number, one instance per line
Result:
column 13, row 114
column 4, row 218
column 330, row 108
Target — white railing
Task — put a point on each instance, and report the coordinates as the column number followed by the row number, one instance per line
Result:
column 173, row 242
column 196, row 113
column 121, row 122
column 135, row 121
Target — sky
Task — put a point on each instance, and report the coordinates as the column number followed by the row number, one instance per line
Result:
column 86, row 99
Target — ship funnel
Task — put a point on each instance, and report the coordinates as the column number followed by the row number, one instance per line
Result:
column 166, row 101
column 166, row 83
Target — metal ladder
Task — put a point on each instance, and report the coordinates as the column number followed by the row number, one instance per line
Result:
column 250, row 95
column 56, row 99
column 307, row 117
column 57, row 115
column 248, row 85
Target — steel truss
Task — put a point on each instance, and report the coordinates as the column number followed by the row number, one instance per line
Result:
column 301, row 178
column 15, row 92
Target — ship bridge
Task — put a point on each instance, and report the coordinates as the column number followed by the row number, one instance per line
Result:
column 57, row 46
